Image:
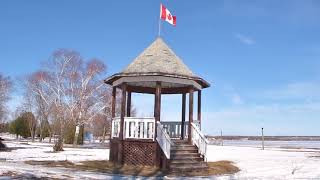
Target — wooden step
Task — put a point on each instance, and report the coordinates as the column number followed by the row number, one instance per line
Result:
column 186, row 150
column 180, row 141
column 181, row 161
column 183, row 149
column 184, row 154
column 197, row 158
column 183, row 146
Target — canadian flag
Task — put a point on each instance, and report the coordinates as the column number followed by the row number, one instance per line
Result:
column 166, row 15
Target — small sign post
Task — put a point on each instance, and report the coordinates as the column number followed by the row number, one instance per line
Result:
column 221, row 137
column 262, row 138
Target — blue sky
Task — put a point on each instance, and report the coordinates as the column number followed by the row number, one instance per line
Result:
column 261, row 57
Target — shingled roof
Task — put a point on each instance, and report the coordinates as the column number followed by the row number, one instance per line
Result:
column 158, row 59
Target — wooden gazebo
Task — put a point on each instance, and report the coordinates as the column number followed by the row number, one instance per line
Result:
column 149, row 140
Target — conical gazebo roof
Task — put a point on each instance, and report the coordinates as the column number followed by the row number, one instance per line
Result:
column 158, row 60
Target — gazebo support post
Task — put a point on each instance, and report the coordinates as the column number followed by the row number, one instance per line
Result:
column 199, row 108
column 157, row 104
column 157, row 112
column 129, row 104
column 123, row 107
column 113, row 115
column 113, row 102
column 183, row 120
column 190, row 114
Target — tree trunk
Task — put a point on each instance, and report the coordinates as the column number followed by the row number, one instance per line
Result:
column 81, row 135
column 49, row 129
column 50, row 138
column 58, row 146
column 32, row 135
column 104, row 135
column 41, row 135
column 50, row 134
column 76, row 135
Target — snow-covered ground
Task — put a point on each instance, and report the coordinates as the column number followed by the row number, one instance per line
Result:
column 23, row 151
column 274, row 144
column 271, row 163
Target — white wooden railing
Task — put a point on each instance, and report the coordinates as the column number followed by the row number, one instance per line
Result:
column 199, row 140
column 139, row 128
column 134, row 128
column 197, row 123
column 164, row 140
column 173, row 128
column 115, row 128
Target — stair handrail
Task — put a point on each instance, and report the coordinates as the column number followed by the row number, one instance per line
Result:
column 163, row 140
column 199, row 140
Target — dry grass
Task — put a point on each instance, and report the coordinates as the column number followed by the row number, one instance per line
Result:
column 222, row 167
column 215, row 168
column 103, row 167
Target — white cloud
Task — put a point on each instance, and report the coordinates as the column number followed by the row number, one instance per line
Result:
column 245, row 39
column 291, row 109
column 307, row 91
column 236, row 99
column 232, row 93
column 278, row 119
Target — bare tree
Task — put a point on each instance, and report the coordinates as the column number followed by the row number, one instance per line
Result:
column 87, row 92
column 32, row 123
column 33, row 102
column 71, row 89
column 50, row 85
column 5, row 89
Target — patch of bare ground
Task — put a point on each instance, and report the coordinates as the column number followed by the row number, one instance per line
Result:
column 25, row 176
column 215, row 168
column 314, row 155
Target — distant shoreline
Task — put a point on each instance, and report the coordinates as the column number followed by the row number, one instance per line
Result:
column 268, row 138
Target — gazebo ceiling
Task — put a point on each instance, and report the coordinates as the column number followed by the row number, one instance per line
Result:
column 158, row 63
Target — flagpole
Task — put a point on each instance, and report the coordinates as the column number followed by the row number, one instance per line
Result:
column 159, row 30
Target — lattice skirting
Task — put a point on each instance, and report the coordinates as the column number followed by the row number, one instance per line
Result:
column 132, row 152
column 140, row 153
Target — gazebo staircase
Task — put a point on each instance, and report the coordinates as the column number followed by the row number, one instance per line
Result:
column 185, row 157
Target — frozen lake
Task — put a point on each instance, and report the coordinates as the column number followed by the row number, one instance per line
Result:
column 274, row 144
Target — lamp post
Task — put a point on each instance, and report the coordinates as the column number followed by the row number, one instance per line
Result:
column 262, row 137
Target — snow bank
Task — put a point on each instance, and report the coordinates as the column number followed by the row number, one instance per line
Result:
column 24, row 151
column 44, row 152
column 271, row 163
